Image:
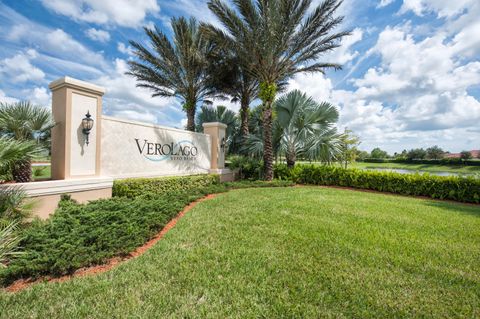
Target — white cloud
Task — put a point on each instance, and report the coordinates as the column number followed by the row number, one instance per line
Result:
column 125, row 13
column 415, row 97
column 344, row 54
column 443, row 8
column 384, row 3
column 6, row 99
column 98, row 35
column 20, row 69
column 124, row 99
column 38, row 96
column 124, row 49
column 52, row 42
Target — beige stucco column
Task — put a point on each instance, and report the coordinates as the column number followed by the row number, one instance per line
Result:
column 71, row 156
column 217, row 132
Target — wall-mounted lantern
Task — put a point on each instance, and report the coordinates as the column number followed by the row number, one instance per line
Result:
column 87, row 124
column 223, row 144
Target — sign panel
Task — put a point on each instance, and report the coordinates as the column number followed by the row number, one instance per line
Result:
column 133, row 149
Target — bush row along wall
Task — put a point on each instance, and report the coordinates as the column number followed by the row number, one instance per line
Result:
column 462, row 189
column 443, row 161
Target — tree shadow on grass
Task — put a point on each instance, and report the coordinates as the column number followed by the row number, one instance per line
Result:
column 469, row 209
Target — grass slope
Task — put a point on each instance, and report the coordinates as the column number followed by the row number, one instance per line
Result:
column 293, row 252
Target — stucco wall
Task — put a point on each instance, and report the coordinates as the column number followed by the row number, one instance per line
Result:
column 133, row 149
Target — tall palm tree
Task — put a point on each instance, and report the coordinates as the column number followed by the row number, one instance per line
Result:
column 231, row 78
column 277, row 39
column 24, row 121
column 302, row 127
column 176, row 68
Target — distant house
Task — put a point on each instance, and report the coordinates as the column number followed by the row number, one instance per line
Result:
column 475, row 154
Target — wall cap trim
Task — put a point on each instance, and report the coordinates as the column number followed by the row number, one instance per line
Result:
column 54, row 187
column 115, row 119
column 214, row 124
column 67, row 81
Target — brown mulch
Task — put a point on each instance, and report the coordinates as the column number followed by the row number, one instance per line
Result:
column 113, row 262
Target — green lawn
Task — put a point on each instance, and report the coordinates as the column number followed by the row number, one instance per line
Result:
column 44, row 172
column 287, row 252
column 461, row 169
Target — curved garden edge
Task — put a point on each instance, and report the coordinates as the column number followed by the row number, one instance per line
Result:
column 21, row 284
column 113, row 262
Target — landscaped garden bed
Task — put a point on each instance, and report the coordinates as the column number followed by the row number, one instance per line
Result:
column 295, row 252
column 78, row 236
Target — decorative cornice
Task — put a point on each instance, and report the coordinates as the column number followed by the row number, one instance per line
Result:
column 77, row 85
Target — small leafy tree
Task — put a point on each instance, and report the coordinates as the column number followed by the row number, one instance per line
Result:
column 435, row 152
column 378, row 153
column 348, row 147
column 361, row 155
column 416, row 153
column 466, row 155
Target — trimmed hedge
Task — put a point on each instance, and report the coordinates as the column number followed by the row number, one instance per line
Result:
column 462, row 189
column 134, row 187
column 443, row 161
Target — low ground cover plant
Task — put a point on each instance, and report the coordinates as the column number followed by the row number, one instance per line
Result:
column 462, row 189
column 78, row 235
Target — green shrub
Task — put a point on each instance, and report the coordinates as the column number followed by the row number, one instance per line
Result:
column 462, row 189
column 137, row 186
column 82, row 235
column 248, row 167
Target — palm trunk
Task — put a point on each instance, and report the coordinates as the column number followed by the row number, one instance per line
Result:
column 191, row 119
column 244, row 105
column 267, row 142
column 291, row 158
column 22, row 171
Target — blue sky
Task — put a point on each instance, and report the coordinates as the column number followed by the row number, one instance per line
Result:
column 411, row 75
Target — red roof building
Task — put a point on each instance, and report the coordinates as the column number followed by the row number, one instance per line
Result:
column 475, row 154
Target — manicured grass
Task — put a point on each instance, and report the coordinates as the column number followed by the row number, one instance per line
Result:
column 287, row 252
column 460, row 169
column 45, row 172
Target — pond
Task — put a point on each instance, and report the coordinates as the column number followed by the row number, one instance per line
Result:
column 408, row 171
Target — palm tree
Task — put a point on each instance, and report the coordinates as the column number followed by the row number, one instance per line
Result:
column 9, row 240
column 230, row 77
column 276, row 39
column 12, row 152
column 219, row 114
column 177, row 68
column 302, row 127
column 24, row 121
column 12, row 199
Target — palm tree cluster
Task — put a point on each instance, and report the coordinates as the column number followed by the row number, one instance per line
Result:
column 260, row 46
